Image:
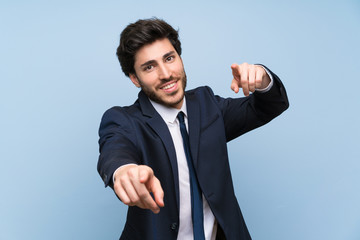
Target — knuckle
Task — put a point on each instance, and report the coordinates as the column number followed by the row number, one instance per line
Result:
column 143, row 195
column 149, row 169
column 253, row 70
column 260, row 71
column 122, row 179
column 135, row 200
column 117, row 187
column 131, row 172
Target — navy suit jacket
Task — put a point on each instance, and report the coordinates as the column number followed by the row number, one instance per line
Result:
column 137, row 134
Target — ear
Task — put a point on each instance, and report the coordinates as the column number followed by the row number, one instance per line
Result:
column 134, row 79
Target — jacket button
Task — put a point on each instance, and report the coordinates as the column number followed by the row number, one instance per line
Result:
column 174, row 226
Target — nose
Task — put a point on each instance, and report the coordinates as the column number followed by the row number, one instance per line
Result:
column 164, row 72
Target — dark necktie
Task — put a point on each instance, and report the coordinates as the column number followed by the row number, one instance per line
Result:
column 196, row 200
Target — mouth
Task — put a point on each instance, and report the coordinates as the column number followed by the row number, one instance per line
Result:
column 169, row 87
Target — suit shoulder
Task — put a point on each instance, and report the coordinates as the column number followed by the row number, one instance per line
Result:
column 203, row 90
column 120, row 115
column 204, row 96
column 113, row 113
column 122, row 110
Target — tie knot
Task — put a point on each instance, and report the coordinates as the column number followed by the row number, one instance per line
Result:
column 181, row 117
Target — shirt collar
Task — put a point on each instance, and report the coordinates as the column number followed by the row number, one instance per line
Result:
column 167, row 113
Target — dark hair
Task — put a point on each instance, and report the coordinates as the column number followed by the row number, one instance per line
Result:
column 140, row 33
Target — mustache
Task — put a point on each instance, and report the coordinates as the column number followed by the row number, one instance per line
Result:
column 164, row 80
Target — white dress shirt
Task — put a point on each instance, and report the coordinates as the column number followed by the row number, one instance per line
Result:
column 185, row 225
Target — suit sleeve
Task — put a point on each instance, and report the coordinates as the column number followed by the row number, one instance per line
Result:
column 117, row 144
column 245, row 114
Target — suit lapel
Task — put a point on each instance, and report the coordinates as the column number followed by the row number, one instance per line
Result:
column 193, row 110
column 156, row 122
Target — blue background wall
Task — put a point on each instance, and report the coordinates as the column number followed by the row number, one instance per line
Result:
column 59, row 73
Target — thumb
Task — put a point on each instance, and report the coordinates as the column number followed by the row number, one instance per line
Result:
column 234, row 85
column 235, row 71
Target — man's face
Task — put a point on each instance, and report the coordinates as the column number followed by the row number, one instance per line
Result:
column 160, row 73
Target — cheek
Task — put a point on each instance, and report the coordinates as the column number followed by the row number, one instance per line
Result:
column 178, row 69
column 149, row 80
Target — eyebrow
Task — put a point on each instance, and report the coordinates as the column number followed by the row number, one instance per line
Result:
column 168, row 54
column 147, row 63
column 153, row 61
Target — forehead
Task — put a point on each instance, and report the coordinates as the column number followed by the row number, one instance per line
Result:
column 153, row 51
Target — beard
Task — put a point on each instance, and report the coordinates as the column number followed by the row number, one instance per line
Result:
column 151, row 94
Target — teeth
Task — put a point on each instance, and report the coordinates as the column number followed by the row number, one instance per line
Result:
column 168, row 86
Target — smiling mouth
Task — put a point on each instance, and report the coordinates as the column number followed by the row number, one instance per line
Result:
column 168, row 86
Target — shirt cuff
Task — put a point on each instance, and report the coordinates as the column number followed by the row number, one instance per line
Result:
column 263, row 90
column 113, row 176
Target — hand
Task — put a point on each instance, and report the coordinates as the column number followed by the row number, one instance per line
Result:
column 248, row 77
column 133, row 184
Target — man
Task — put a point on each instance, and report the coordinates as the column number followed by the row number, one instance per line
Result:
column 165, row 156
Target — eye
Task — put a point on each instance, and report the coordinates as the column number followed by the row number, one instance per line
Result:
column 148, row 67
column 169, row 58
